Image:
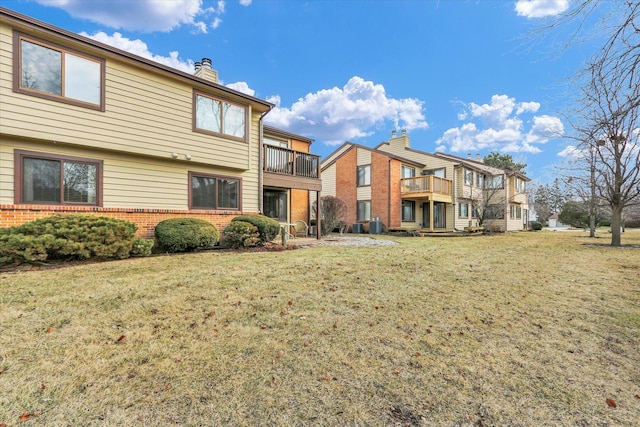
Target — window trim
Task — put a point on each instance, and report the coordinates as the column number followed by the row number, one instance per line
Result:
column 18, row 176
column 191, row 174
column 412, row 170
column 194, row 116
column 466, row 173
column 460, row 210
column 358, row 210
column 17, row 65
column 358, row 175
column 413, row 211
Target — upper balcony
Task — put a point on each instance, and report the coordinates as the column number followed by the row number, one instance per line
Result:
column 427, row 187
column 287, row 168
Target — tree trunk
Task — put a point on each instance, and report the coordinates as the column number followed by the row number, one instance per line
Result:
column 616, row 224
column 592, row 224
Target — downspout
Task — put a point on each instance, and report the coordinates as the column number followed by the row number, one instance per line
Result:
column 455, row 199
column 260, row 165
column 389, row 194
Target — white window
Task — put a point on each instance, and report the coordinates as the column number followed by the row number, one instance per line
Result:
column 468, row 177
column 364, row 210
column 463, row 210
column 408, row 210
column 408, row 172
column 494, row 181
column 364, row 175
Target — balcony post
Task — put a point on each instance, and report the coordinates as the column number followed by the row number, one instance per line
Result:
column 431, row 214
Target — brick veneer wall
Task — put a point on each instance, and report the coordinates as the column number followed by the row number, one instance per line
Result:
column 346, row 184
column 300, row 205
column 380, row 187
column 394, row 192
column 145, row 219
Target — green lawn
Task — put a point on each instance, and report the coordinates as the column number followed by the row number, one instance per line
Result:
column 518, row 329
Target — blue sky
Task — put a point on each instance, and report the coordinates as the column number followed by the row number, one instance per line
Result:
column 461, row 76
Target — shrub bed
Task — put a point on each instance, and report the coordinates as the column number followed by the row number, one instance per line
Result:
column 67, row 237
column 268, row 228
column 186, row 234
column 240, row 234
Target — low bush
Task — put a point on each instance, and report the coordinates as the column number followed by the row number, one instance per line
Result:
column 186, row 234
column 268, row 228
column 141, row 247
column 240, row 234
column 535, row 225
column 67, row 237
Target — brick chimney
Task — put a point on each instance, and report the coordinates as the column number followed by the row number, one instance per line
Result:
column 203, row 70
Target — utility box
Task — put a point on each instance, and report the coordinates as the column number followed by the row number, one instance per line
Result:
column 375, row 227
column 357, row 228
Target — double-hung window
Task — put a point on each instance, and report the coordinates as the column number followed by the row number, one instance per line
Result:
column 364, row 210
column 364, row 175
column 463, row 210
column 53, row 72
column 494, row 182
column 217, row 116
column 515, row 212
column 53, row 179
column 408, row 172
column 408, row 210
column 468, row 177
column 214, row 192
column 479, row 180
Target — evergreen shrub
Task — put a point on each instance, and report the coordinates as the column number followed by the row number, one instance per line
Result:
column 185, row 234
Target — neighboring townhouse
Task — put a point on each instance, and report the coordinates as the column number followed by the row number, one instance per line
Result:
column 376, row 184
column 88, row 128
column 496, row 195
column 291, row 176
column 409, row 189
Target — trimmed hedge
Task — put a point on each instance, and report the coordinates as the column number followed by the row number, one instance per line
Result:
column 186, row 234
column 240, row 234
column 268, row 228
column 67, row 237
column 535, row 225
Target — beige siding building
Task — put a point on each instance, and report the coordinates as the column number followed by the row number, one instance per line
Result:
column 88, row 128
column 410, row 189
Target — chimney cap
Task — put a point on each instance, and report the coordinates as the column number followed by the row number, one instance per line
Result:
column 206, row 62
column 393, row 133
column 403, row 131
column 197, row 65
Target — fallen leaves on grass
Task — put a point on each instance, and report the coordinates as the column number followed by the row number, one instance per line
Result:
column 27, row 416
column 121, row 340
column 612, row 403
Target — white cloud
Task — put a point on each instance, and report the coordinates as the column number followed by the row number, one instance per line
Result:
column 541, row 8
column 242, row 87
column 146, row 15
column 140, row 48
column 571, row 151
column 336, row 115
column 545, row 128
column 500, row 126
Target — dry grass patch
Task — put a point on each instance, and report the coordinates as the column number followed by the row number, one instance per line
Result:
column 517, row 329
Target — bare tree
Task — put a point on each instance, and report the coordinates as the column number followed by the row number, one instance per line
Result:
column 610, row 104
column 332, row 213
column 489, row 202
